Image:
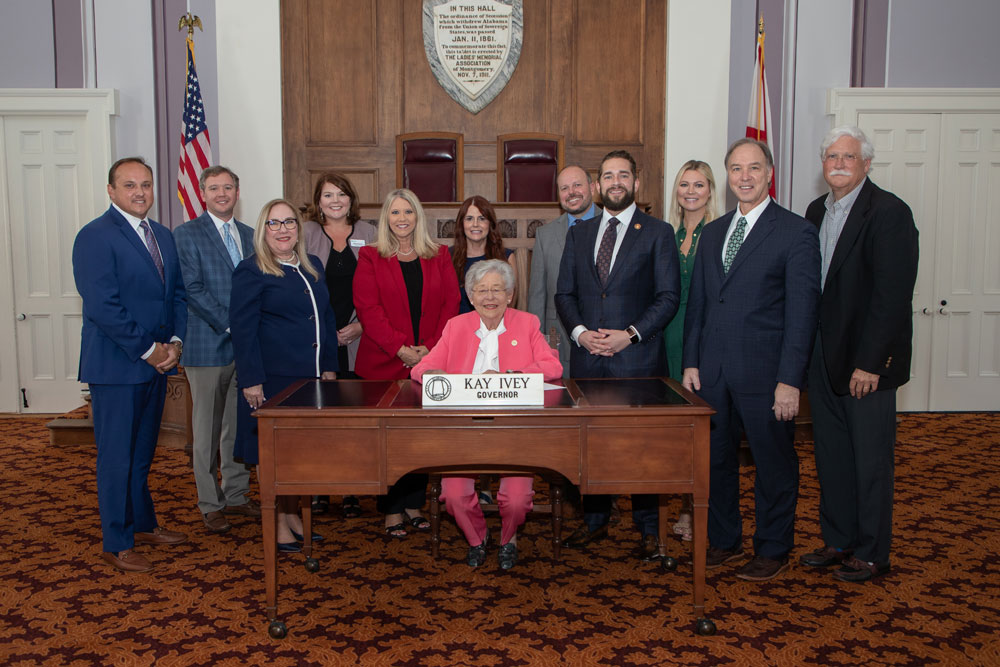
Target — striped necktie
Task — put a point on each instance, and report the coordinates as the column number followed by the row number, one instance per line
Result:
column 234, row 252
column 152, row 247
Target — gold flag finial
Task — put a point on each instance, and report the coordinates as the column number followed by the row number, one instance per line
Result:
column 189, row 21
column 760, row 25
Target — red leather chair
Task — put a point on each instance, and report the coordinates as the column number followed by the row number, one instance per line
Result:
column 527, row 166
column 432, row 165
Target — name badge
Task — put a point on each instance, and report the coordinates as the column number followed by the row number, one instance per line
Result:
column 357, row 243
column 452, row 390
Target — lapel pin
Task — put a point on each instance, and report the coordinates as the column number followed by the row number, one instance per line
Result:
column 514, row 343
column 637, row 226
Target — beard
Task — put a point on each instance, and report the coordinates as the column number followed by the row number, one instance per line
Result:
column 620, row 204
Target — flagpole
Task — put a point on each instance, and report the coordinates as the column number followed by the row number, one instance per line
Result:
column 760, row 86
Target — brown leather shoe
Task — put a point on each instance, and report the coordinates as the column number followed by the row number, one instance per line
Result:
column 582, row 536
column 249, row 508
column 648, row 549
column 857, row 570
column 127, row 560
column 762, row 569
column 718, row 557
column 216, row 522
column 160, row 536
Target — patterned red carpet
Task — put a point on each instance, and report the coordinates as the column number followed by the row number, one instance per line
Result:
column 381, row 602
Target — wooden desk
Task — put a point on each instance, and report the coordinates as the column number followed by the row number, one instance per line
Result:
column 359, row 437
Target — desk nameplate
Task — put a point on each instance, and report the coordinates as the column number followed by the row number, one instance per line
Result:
column 474, row 390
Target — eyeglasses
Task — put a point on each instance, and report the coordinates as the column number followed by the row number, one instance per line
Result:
column 836, row 157
column 275, row 225
column 496, row 291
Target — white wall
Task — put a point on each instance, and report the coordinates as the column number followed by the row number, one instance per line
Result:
column 698, row 38
column 823, row 61
column 249, row 54
column 27, row 57
column 125, row 62
column 949, row 44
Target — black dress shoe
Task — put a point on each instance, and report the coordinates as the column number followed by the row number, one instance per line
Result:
column 648, row 549
column 825, row 557
column 857, row 570
column 718, row 557
column 507, row 556
column 583, row 536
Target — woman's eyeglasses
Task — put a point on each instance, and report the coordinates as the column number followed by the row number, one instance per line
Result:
column 275, row 225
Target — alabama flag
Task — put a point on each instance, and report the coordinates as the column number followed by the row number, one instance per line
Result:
column 759, row 117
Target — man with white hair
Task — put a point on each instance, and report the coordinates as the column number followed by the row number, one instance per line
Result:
column 868, row 244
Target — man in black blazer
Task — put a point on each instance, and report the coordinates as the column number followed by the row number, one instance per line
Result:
column 619, row 285
column 748, row 335
column 868, row 242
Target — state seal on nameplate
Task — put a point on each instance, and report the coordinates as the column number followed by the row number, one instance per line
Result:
column 473, row 47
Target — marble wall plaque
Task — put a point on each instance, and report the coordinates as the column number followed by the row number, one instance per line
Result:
column 473, row 46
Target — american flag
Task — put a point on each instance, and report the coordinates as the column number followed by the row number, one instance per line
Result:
column 196, row 147
column 759, row 118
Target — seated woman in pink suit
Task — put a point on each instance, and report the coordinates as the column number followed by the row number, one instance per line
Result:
column 491, row 339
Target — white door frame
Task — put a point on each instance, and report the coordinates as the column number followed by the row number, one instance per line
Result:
column 97, row 107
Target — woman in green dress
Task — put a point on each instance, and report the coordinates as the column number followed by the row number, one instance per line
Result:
column 693, row 204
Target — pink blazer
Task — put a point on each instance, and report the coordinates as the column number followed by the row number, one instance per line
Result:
column 522, row 347
column 384, row 309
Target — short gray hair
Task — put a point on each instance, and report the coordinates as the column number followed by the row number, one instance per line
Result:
column 479, row 270
column 853, row 131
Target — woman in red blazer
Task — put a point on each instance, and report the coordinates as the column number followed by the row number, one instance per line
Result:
column 405, row 290
column 492, row 339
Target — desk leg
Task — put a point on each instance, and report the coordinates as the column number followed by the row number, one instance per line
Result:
column 435, row 515
column 556, row 491
column 667, row 562
column 268, row 519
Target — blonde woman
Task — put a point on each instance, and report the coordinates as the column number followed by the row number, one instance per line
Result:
column 405, row 289
column 693, row 204
column 279, row 296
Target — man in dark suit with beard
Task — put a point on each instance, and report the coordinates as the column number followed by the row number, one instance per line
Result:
column 862, row 354
column 619, row 285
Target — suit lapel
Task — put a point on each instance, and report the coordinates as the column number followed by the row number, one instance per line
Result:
column 761, row 230
column 212, row 236
column 631, row 236
column 133, row 238
column 589, row 240
column 852, row 228
column 246, row 238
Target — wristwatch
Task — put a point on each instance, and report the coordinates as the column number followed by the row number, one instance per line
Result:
column 633, row 335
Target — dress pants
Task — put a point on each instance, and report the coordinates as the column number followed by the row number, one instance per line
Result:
column 126, row 427
column 776, row 482
column 213, row 420
column 855, row 445
column 409, row 493
column 645, row 512
column 462, row 502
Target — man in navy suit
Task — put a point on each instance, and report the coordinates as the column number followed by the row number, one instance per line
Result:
column 134, row 316
column 748, row 336
column 619, row 285
column 868, row 243
column 210, row 247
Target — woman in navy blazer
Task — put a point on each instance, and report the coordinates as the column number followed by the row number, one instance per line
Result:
column 405, row 289
column 283, row 330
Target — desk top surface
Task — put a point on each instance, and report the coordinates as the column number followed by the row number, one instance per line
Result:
column 404, row 396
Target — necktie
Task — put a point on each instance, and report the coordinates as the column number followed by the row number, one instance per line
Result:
column 606, row 250
column 234, row 252
column 152, row 247
column 734, row 243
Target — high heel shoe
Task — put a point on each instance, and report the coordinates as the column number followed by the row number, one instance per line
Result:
column 289, row 547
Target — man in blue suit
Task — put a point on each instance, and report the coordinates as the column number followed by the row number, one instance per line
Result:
column 618, row 286
column 134, row 316
column 210, row 247
column 748, row 337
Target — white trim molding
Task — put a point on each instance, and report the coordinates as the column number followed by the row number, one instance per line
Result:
column 846, row 104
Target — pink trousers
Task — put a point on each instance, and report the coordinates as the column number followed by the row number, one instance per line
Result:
column 461, row 501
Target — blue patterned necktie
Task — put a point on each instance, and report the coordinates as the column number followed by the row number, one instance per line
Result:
column 152, row 247
column 734, row 243
column 234, row 252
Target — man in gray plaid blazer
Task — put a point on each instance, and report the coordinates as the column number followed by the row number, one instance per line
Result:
column 210, row 247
